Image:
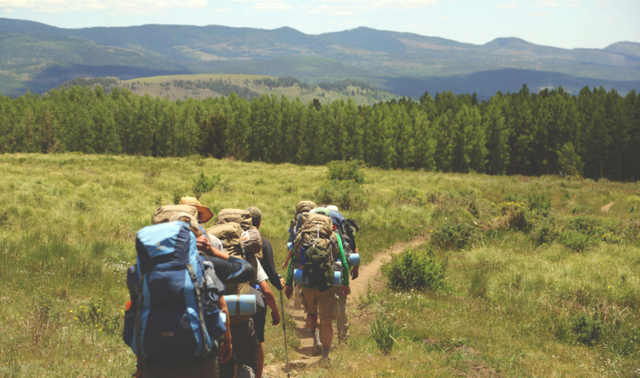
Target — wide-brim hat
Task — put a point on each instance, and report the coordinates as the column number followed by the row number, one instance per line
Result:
column 204, row 214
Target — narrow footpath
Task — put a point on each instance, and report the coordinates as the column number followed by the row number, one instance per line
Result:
column 368, row 274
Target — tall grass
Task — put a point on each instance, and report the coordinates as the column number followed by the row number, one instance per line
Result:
column 509, row 302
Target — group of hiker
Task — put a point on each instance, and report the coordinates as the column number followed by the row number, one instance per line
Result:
column 198, row 297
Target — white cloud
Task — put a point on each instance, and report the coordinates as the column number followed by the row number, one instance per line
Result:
column 332, row 10
column 549, row 3
column 272, row 6
column 111, row 6
column 413, row 26
column 384, row 4
column 543, row 13
column 602, row 3
column 442, row 18
column 222, row 10
column 8, row 10
column 511, row 4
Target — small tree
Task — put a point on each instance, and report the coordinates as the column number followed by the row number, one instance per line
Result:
column 569, row 161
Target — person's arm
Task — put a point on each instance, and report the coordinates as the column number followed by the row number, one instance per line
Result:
column 288, row 289
column 232, row 270
column 204, row 245
column 286, row 261
column 271, row 302
column 269, row 265
column 226, row 349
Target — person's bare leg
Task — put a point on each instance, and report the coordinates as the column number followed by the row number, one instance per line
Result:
column 326, row 337
column 260, row 364
column 312, row 325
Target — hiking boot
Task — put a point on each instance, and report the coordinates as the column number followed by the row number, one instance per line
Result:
column 317, row 350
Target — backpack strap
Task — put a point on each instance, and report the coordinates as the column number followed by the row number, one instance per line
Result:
column 141, row 361
column 194, row 279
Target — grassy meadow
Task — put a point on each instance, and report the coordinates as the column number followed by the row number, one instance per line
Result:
column 540, row 282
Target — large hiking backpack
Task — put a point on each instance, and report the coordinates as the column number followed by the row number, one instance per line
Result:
column 316, row 232
column 301, row 207
column 174, row 318
column 242, row 217
column 231, row 236
column 346, row 228
column 165, row 213
column 319, row 268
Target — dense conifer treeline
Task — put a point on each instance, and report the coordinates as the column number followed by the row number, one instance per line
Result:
column 596, row 133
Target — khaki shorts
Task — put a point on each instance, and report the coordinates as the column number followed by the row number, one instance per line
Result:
column 323, row 304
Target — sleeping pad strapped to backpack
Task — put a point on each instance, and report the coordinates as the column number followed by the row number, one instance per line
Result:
column 174, row 318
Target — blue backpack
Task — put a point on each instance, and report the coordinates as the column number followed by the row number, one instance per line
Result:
column 174, row 318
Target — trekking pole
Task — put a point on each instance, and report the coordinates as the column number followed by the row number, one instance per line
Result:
column 284, row 329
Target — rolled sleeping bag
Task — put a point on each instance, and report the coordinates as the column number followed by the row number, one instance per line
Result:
column 290, row 246
column 241, row 305
column 298, row 276
column 354, row 259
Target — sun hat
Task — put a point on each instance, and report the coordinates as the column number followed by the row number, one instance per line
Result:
column 256, row 214
column 204, row 214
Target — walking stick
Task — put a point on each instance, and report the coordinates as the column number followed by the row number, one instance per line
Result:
column 284, row 329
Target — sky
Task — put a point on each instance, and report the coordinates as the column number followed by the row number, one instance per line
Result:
column 559, row 23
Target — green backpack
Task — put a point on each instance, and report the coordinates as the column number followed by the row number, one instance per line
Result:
column 318, row 267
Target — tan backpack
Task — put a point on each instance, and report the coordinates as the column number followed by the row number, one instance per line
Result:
column 242, row 217
column 301, row 207
column 165, row 213
column 316, row 229
column 231, row 234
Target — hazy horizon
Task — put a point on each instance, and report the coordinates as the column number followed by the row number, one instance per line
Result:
column 558, row 23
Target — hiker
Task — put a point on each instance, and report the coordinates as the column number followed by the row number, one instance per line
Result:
column 315, row 250
column 301, row 208
column 348, row 243
column 241, row 239
column 181, row 349
column 269, row 267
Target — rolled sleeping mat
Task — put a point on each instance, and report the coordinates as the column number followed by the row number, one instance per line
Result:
column 290, row 246
column 241, row 305
column 298, row 276
column 354, row 259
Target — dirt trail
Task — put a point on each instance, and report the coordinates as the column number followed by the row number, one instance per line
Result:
column 367, row 276
column 605, row 208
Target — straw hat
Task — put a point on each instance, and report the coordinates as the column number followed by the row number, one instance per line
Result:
column 204, row 214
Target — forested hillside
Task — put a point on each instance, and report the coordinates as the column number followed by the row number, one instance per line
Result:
column 38, row 57
column 595, row 133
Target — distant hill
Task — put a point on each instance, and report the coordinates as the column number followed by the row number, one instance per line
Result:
column 399, row 62
column 181, row 87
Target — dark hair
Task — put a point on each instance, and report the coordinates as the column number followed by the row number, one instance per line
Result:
column 256, row 221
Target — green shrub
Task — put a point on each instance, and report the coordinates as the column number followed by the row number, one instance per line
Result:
column 586, row 330
column 517, row 215
column 586, row 225
column 415, row 269
column 346, row 195
column 204, row 184
column 546, row 231
column 538, row 202
column 385, row 333
column 479, row 283
column 577, row 241
column 340, row 170
column 452, row 235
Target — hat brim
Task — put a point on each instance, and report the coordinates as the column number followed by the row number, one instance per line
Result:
column 204, row 214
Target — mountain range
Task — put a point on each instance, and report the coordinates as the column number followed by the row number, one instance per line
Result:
column 37, row 57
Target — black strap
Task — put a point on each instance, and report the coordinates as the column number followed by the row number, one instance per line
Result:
column 141, row 361
column 196, row 287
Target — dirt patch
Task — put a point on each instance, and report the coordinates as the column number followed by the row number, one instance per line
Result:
column 605, row 208
column 478, row 369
